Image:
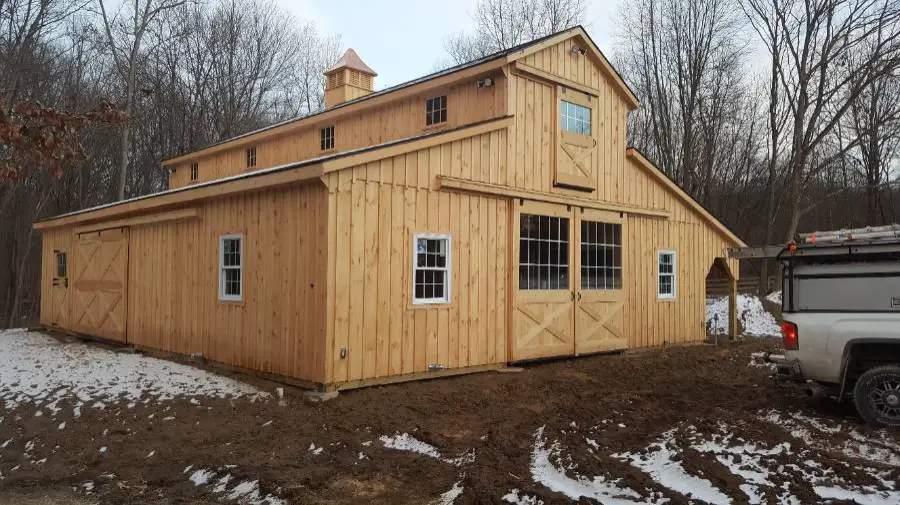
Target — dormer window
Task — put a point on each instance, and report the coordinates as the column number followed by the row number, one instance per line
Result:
column 251, row 157
column 195, row 171
column 436, row 110
column 327, row 138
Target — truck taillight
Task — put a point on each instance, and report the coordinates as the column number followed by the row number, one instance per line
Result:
column 790, row 336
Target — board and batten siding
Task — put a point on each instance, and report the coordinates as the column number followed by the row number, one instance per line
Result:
column 173, row 282
column 173, row 288
column 374, row 211
column 400, row 119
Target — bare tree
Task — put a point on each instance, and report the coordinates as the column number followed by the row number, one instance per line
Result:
column 684, row 61
column 874, row 120
column 833, row 50
column 501, row 24
column 125, row 30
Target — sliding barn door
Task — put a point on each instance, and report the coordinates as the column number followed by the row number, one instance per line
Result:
column 543, row 311
column 99, row 284
column 600, row 296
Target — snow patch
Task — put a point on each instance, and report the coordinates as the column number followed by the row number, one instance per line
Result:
column 598, row 488
column 661, row 462
column 407, row 442
column 524, row 499
column 246, row 492
column 40, row 370
column 450, row 496
column 754, row 318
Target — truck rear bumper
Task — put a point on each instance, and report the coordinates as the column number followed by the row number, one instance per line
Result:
column 787, row 369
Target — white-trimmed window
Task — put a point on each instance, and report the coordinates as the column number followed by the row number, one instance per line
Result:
column 231, row 264
column 431, row 269
column 666, row 272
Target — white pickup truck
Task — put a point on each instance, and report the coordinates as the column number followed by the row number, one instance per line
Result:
column 841, row 328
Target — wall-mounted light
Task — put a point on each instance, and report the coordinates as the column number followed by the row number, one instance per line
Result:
column 578, row 51
column 484, row 83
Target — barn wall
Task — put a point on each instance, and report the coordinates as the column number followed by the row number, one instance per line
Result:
column 396, row 120
column 650, row 321
column 374, row 211
column 174, row 281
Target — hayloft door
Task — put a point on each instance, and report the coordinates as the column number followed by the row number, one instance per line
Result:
column 543, row 313
column 600, row 293
column 99, row 283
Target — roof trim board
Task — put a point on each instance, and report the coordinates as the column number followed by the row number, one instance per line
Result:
column 639, row 159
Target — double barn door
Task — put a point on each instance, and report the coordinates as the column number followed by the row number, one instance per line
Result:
column 569, row 291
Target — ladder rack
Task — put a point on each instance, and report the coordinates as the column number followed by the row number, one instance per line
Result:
column 867, row 234
column 889, row 234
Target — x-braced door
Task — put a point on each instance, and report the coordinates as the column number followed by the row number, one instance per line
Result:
column 543, row 312
column 600, row 296
column 570, row 289
column 100, row 283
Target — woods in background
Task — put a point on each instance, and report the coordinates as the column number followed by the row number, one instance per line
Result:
column 777, row 115
column 129, row 84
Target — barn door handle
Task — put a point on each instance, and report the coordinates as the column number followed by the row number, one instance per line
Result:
column 579, row 296
column 66, row 282
column 573, row 296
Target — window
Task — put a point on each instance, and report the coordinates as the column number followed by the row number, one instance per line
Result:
column 601, row 255
column 431, row 270
column 543, row 252
column 195, row 171
column 327, row 135
column 62, row 266
column 575, row 118
column 251, row 157
column 230, row 268
column 436, row 110
column 666, row 275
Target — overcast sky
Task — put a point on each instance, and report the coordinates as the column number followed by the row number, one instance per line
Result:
column 402, row 39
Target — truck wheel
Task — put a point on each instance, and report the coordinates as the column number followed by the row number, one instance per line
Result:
column 877, row 396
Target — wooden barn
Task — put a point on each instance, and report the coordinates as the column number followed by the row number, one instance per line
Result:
column 485, row 214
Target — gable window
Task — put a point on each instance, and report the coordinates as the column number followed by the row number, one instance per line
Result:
column 666, row 272
column 251, row 157
column 327, row 136
column 601, row 255
column 62, row 265
column 231, row 263
column 575, row 118
column 195, row 171
column 431, row 269
column 436, row 110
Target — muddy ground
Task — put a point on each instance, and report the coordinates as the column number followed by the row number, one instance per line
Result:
column 484, row 425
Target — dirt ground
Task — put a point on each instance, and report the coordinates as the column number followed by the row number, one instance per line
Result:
column 486, row 427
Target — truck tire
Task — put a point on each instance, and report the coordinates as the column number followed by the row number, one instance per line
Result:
column 877, row 395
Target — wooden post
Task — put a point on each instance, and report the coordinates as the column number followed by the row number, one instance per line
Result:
column 732, row 306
